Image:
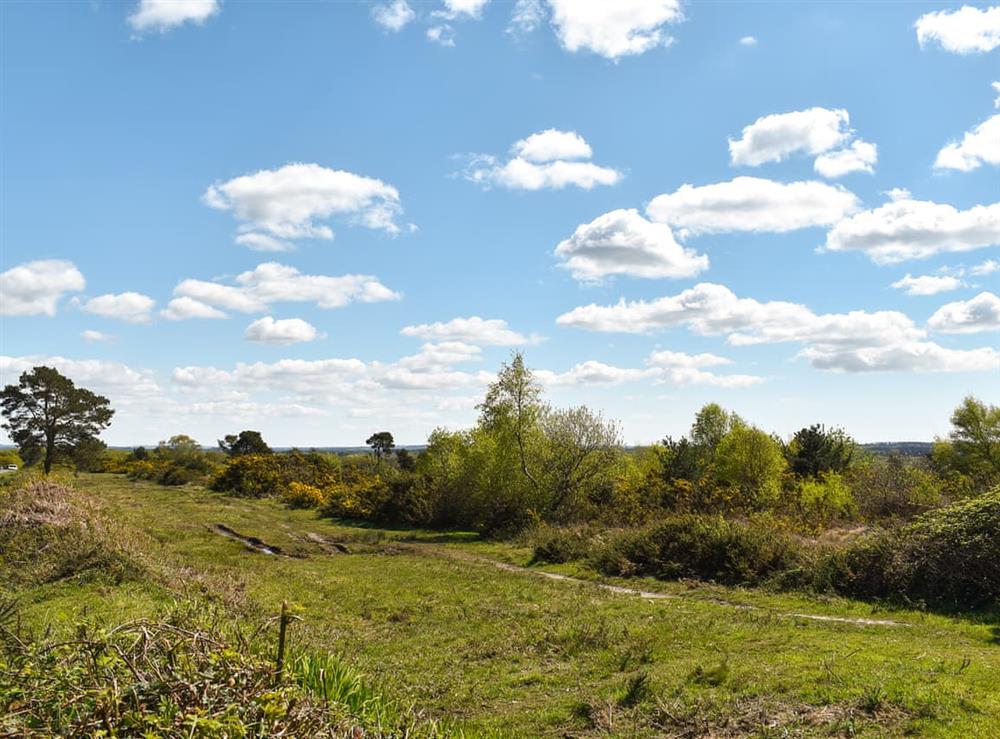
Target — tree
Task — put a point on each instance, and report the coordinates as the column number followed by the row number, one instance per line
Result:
column 381, row 443
column 88, row 454
column 752, row 462
column 580, row 446
column 47, row 414
column 512, row 405
column 814, row 450
column 406, row 461
column 246, row 442
column 711, row 424
column 975, row 436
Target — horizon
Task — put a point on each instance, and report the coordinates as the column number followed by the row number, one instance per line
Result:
column 319, row 220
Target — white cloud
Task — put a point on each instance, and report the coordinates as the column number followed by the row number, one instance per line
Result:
column 443, row 35
column 967, row 30
column 471, row 330
column 710, row 309
column 256, row 241
column 918, row 356
column 987, row 267
column 662, row 367
column 772, row 138
column 34, row 288
column 927, row 284
column 128, row 306
column 860, row 156
column 748, row 41
column 857, row 341
column 551, row 145
column 614, row 29
column 270, row 283
column 181, row 309
column 981, row 313
column 526, row 16
column 113, row 379
column 622, row 242
column 752, row 204
column 162, row 15
column 996, row 89
column 916, row 229
column 293, row 202
column 95, row 336
column 286, row 331
column 547, row 159
column 393, row 16
column 979, row 146
column 458, row 8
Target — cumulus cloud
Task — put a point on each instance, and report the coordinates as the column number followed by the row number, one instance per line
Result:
column 918, row 356
column 772, row 138
column 662, row 367
column 622, row 242
column 979, row 146
column 393, row 16
column 131, row 307
column 34, row 288
column 295, row 201
column 549, row 159
column 454, row 9
column 181, row 309
column 927, row 284
column 915, row 229
column 853, row 342
column 162, row 15
column 282, row 332
column 752, row 204
column 860, row 156
column 95, row 336
column 443, row 35
column 981, row 313
column 748, row 41
column 967, row 30
column 614, row 29
column 471, row 330
column 269, row 283
column 987, row 267
column 113, row 379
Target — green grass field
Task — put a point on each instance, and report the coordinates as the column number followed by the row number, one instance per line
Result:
column 433, row 621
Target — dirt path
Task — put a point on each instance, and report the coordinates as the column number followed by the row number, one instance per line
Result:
column 647, row 594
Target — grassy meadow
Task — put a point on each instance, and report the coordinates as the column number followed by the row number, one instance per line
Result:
column 431, row 620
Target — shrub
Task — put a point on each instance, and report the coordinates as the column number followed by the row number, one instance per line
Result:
column 48, row 533
column 703, row 546
column 826, row 498
column 300, row 495
column 560, row 544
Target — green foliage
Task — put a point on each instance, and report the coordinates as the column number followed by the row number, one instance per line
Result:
column 824, row 499
column 9, row 457
column 47, row 415
column 970, row 459
column 892, row 487
column 708, row 547
column 244, row 443
column 814, row 450
column 381, row 443
column 750, row 462
column 189, row 674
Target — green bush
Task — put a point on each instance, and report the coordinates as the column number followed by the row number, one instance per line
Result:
column 557, row 544
column 706, row 547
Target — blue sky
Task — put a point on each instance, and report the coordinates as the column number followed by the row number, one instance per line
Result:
column 662, row 203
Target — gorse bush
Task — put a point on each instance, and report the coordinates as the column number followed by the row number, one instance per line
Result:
column 708, row 547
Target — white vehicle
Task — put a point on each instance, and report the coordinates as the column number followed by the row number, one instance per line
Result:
column 12, row 467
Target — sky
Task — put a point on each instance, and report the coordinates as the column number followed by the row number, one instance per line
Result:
column 324, row 219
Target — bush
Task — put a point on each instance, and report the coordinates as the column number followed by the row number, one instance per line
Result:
column 703, row 546
column 48, row 533
column 560, row 544
column 300, row 495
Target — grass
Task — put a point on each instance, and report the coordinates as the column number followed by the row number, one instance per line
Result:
column 431, row 620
